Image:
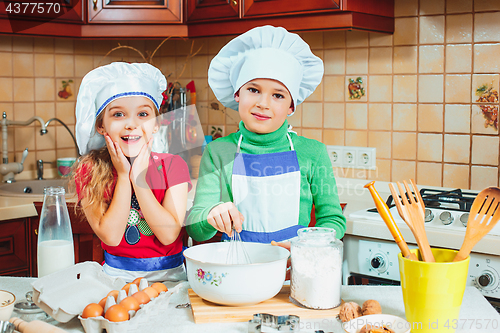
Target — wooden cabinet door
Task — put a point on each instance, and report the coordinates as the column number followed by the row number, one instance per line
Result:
column 199, row 10
column 14, row 249
column 275, row 7
column 42, row 11
column 135, row 11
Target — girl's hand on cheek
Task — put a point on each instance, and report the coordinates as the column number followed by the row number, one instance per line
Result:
column 141, row 163
column 118, row 159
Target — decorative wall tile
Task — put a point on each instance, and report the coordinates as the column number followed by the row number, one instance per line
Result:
column 458, row 6
column 430, row 7
column 404, row 117
column 380, row 61
column 456, row 148
column 356, row 116
column 480, row 124
column 405, row 59
column 405, row 31
column 485, row 59
column 379, row 116
column 430, row 88
column 312, row 114
column 482, row 177
column 431, row 29
column 404, row 146
column 381, row 141
column 456, row 176
column 458, row 58
column 334, row 115
column 429, row 174
column 457, row 88
column 485, row 150
column 457, row 118
column 459, row 28
column 404, row 88
column 357, row 61
column 405, row 8
column 402, row 170
column 356, row 88
column 430, row 117
column 380, row 88
column 334, row 88
column 485, row 88
column 430, row 147
column 334, row 39
column 334, row 61
column 431, row 59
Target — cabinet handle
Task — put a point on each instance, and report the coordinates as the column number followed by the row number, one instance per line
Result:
column 235, row 2
column 95, row 4
column 36, row 232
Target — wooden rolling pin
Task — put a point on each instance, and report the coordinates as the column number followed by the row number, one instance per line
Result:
column 386, row 215
column 35, row 326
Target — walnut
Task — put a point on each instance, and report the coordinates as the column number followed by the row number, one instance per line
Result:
column 349, row 311
column 371, row 306
column 373, row 329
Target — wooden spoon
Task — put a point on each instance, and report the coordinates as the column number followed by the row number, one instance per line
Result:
column 386, row 215
column 483, row 215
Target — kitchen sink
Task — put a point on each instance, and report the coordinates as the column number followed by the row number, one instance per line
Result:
column 31, row 188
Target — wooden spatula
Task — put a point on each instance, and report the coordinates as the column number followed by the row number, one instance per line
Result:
column 483, row 215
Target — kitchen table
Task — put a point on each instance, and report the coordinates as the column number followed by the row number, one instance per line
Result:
column 475, row 309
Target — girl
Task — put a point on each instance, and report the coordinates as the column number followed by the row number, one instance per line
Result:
column 134, row 199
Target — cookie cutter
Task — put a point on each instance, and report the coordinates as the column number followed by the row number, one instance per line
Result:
column 288, row 323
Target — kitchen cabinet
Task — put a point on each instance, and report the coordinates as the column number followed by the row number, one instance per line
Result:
column 135, row 11
column 15, row 247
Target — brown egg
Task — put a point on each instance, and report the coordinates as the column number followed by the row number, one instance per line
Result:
column 142, row 297
column 102, row 302
column 136, row 281
column 130, row 303
column 127, row 287
column 117, row 313
column 92, row 310
column 152, row 292
column 160, row 287
column 113, row 293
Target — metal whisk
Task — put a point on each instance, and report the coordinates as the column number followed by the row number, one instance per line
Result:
column 236, row 253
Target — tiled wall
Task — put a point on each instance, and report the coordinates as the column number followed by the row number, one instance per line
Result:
column 419, row 110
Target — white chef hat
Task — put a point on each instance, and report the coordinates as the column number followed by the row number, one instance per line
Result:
column 105, row 84
column 265, row 52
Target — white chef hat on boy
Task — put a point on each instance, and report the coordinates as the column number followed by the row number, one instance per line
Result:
column 105, row 84
column 265, row 52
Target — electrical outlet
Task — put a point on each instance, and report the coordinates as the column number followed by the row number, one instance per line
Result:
column 349, row 156
column 335, row 153
column 366, row 158
column 352, row 157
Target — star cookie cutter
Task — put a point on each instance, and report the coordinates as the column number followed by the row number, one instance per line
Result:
column 288, row 323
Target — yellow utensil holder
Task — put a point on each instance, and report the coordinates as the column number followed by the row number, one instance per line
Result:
column 433, row 291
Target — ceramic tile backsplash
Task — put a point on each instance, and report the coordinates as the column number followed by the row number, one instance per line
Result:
column 420, row 106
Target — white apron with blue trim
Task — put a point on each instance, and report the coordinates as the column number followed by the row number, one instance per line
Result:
column 266, row 190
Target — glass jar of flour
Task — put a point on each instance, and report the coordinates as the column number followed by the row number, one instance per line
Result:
column 316, row 278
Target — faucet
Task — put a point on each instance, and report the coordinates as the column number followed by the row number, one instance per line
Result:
column 9, row 169
column 66, row 127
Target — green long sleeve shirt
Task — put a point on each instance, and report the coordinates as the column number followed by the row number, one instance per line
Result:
column 317, row 183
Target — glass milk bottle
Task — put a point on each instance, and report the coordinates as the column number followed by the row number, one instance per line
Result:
column 316, row 279
column 55, row 239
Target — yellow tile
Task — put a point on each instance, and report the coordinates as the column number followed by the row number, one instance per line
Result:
column 404, row 88
column 47, row 141
column 6, row 43
column 485, row 59
column 430, row 89
column 459, row 6
column 200, row 66
column 44, row 65
column 456, row 176
column 357, row 61
column 431, row 29
column 44, row 89
column 356, row 116
column 479, row 122
column 459, row 58
column 22, row 44
column 485, row 150
column 403, row 170
column 430, row 7
column 383, row 171
column 233, row 117
column 364, row 85
column 45, row 110
column 431, row 59
column 480, row 80
column 377, row 39
column 64, row 45
column 459, row 28
column 457, row 118
column 334, row 88
column 66, row 112
column 317, row 95
column 23, row 65
column 334, row 115
column 381, row 141
column 24, row 111
column 379, row 116
column 457, row 88
column 457, row 148
column 487, row 27
column 430, row 117
column 405, row 117
column 482, row 177
column 405, row 8
column 64, row 65
column 6, row 89
column 313, row 39
column 333, row 137
column 405, row 31
column 63, row 138
column 356, row 138
column 405, row 59
column 430, row 147
column 334, row 62
column 429, row 174
column 24, row 90
column 201, row 89
column 380, row 89
column 6, row 61
column 404, row 146
column 380, row 61
column 85, row 46
column 312, row 133
column 486, row 5
column 334, row 39
column 312, row 114
column 83, row 65
column 24, row 137
column 215, row 117
column 356, row 39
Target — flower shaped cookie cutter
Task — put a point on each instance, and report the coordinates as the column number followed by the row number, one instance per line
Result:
column 288, row 323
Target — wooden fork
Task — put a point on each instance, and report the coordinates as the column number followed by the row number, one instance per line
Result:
column 413, row 213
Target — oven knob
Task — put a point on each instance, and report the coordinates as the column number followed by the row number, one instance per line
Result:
column 378, row 263
column 428, row 215
column 485, row 280
column 463, row 218
column 446, row 218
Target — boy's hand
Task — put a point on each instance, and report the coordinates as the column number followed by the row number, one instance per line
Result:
column 141, row 164
column 226, row 216
column 286, row 245
column 120, row 162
